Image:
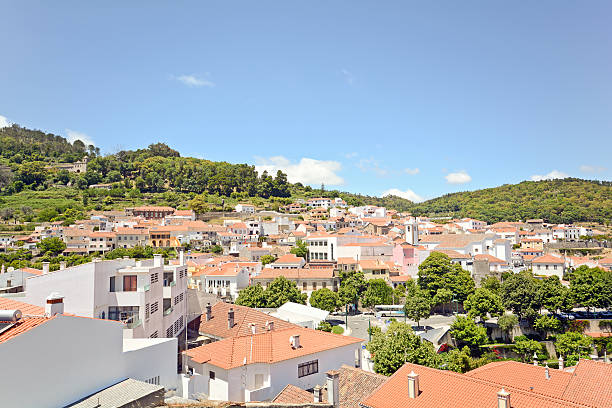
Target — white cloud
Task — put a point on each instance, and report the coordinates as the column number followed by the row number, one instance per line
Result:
column 460, row 177
column 348, row 76
column 306, row 171
column 412, row 172
column 555, row 174
column 73, row 135
column 585, row 168
column 194, row 81
column 4, row 122
column 372, row 165
column 408, row 194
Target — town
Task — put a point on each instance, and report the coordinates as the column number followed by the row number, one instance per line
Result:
column 297, row 306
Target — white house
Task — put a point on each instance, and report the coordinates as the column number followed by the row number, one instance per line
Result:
column 245, row 208
column 55, row 360
column 289, row 261
column 256, row 367
column 225, row 280
column 319, row 202
column 147, row 296
column 548, row 265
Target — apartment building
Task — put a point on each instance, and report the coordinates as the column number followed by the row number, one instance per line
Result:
column 148, row 297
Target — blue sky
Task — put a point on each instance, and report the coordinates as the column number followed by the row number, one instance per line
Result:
column 420, row 98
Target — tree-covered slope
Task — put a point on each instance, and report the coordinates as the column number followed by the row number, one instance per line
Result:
column 557, row 201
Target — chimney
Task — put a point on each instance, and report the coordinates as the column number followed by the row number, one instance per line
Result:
column 208, row 312
column 253, row 328
column 535, row 359
column 547, row 372
column 45, row 268
column 413, row 385
column 333, row 388
column 62, row 265
column 503, row 399
column 230, row 318
column 318, row 394
column 54, row 304
column 158, row 260
column 295, row 341
column 182, row 257
column 270, row 325
column 561, row 366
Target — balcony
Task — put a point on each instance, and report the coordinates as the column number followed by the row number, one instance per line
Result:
column 168, row 311
column 133, row 324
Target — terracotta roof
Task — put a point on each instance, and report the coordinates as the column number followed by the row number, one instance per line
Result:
column 293, row 395
column 21, row 326
column 26, row 308
column 490, row 258
column 548, row 259
column 269, row 347
column 372, row 264
column 447, row 389
column 183, row 212
column 243, row 316
column 452, row 254
column 346, row 261
column 289, row 259
column 31, row 270
column 356, row 384
column 590, row 384
column 153, row 208
column 298, row 273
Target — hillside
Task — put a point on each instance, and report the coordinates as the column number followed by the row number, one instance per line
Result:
column 155, row 175
column 556, row 201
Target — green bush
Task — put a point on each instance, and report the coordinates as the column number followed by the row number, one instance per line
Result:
column 337, row 330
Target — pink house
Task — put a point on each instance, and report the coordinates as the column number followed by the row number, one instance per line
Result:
column 408, row 257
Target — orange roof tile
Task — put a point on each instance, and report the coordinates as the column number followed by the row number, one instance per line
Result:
column 26, row 308
column 289, row 259
column 269, row 347
column 22, row 326
column 298, row 273
column 548, row 259
column 293, row 395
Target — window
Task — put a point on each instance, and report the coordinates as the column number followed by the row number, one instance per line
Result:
column 154, row 277
column 154, row 335
column 112, row 284
column 211, row 375
column 324, row 284
column 311, row 367
column 154, row 307
column 147, row 311
column 259, row 381
column 130, row 283
column 314, row 285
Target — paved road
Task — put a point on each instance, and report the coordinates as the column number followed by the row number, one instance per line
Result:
column 359, row 323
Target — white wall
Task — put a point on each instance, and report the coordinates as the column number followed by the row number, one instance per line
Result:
column 68, row 358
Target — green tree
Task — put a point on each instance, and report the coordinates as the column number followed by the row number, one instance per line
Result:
column 377, row 293
column 51, row 246
column 553, row 296
column 526, row 348
column 300, row 249
column 520, row 294
column 442, row 296
column 199, row 204
column 466, row 332
column 325, row 299
column 252, row 296
column 352, row 286
column 483, row 303
column 399, row 292
column 547, row 324
column 267, row 259
column 506, row 323
column 281, row 290
column 437, row 272
column 397, row 346
column 491, row 283
column 418, row 306
column 573, row 344
column 458, row 360
column 325, row 326
column 591, row 287
column 216, row 249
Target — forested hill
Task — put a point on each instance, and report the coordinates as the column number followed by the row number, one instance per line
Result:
column 159, row 175
column 556, row 201
column 146, row 175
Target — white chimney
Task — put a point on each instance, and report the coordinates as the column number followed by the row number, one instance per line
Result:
column 547, row 372
column 62, row 265
column 158, row 260
column 561, row 366
column 295, row 341
column 45, row 268
column 535, row 359
column 270, row 325
column 230, row 318
column 333, row 388
column 503, row 399
column 54, row 304
column 182, row 257
column 253, row 328
column 318, row 394
column 413, row 385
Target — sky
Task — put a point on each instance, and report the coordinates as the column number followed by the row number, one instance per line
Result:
column 413, row 98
